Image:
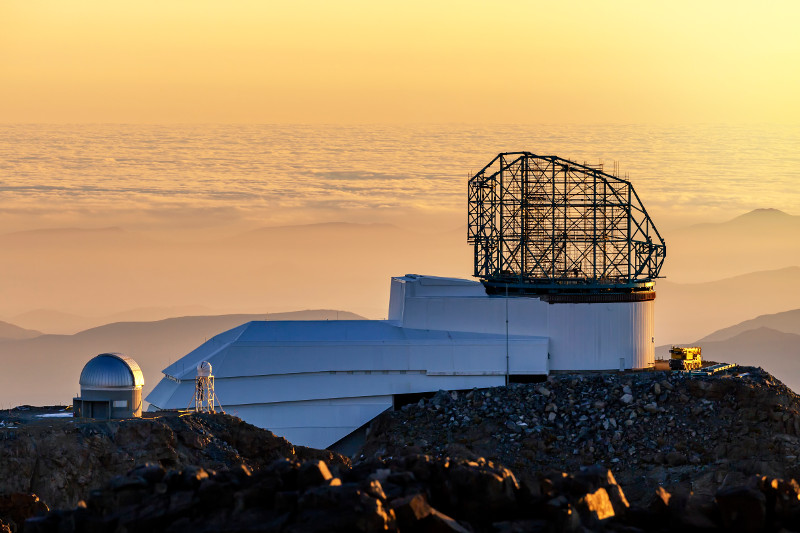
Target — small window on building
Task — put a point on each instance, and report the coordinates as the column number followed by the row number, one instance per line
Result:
column 120, row 403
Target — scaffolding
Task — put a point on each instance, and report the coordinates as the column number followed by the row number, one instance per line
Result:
column 539, row 222
column 205, row 397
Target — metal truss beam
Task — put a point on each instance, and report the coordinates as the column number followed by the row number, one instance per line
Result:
column 544, row 220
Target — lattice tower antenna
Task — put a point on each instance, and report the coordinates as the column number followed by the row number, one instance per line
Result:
column 204, row 395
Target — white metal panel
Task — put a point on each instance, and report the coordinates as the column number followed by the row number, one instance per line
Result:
column 282, row 347
column 527, row 357
column 480, row 315
column 161, row 395
column 317, row 423
column 317, row 386
column 204, row 352
column 397, row 299
column 596, row 336
column 268, row 401
column 422, row 286
column 644, row 331
column 413, row 350
column 485, row 314
column 528, row 316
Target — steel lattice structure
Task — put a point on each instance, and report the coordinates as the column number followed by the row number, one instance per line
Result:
column 543, row 221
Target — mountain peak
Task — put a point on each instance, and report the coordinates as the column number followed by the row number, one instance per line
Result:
column 764, row 213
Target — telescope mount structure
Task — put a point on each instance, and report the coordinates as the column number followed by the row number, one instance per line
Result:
column 543, row 225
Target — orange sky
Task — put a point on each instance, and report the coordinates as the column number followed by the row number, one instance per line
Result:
column 413, row 61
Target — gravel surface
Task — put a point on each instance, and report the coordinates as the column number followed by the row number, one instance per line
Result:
column 652, row 428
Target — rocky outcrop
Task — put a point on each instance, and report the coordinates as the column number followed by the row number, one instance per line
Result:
column 651, row 428
column 15, row 508
column 414, row 493
column 61, row 460
column 692, row 453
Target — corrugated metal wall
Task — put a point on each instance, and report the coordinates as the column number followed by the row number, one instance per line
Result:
column 601, row 336
column 583, row 336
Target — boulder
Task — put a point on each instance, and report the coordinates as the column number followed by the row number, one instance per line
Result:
column 742, row 508
column 595, row 507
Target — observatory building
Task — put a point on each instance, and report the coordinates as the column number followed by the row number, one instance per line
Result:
column 566, row 257
column 111, row 387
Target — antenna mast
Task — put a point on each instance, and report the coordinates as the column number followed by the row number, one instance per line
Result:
column 204, row 395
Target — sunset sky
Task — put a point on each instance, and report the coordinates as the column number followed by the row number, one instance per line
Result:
column 187, row 124
column 393, row 62
column 161, row 158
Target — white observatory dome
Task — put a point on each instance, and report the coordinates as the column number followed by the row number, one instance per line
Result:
column 204, row 369
column 111, row 371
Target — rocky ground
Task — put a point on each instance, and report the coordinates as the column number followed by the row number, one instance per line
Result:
column 62, row 459
column 410, row 493
column 651, row 429
column 685, row 453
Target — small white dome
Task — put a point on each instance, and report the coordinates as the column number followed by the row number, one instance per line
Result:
column 204, row 369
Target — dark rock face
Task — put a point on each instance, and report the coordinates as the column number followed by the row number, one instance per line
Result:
column 63, row 459
column 413, row 493
column 711, row 454
column 651, row 428
column 15, row 508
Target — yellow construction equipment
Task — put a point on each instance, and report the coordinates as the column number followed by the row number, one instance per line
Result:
column 685, row 358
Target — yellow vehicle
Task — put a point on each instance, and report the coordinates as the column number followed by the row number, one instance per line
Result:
column 685, row 358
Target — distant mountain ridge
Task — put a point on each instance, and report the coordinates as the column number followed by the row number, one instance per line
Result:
column 769, row 341
column 44, row 370
column 750, row 261
column 762, row 215
column 10, row 331
column 61, row 323
column 785, row 322
column 686, row 311
column 762, row 239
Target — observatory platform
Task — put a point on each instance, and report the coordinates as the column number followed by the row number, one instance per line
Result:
column 566, row 256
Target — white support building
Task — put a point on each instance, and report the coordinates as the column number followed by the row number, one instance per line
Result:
column 566, row 255
column 316, row 382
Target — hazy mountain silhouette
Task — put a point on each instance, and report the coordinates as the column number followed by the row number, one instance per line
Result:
column 53, row 322
column 771, row 341
column 45, row 369
column 88, row 276
column 56, row 322
column 786, row 322
column 10, row 331
column 686, row 311
column 763, row 239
